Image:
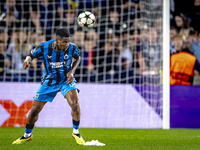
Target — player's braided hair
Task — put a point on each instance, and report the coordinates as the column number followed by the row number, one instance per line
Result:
column 62, row 32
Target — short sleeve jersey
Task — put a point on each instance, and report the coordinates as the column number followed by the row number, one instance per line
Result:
column 57, row 63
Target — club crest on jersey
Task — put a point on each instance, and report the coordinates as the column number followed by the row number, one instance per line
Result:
column 66, row 57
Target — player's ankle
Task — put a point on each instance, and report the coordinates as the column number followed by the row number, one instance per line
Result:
column 28, row 130
column 27, row 135
column 75, row 126
column 75, row 131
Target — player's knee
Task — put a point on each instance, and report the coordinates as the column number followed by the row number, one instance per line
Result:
column 75, row 107
column 34, row 111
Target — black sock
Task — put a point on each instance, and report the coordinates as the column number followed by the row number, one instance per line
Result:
column 75, row 124
column 29, row 128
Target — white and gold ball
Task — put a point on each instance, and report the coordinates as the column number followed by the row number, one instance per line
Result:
column 86, row 19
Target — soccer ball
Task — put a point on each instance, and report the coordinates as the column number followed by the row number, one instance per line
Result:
column 86, row 19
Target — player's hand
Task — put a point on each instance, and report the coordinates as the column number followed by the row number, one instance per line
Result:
column 26, row 65
column 70, row 77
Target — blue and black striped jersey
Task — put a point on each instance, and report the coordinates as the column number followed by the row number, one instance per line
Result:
column 57, row 63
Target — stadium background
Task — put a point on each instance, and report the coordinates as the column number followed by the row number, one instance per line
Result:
column 120, row 76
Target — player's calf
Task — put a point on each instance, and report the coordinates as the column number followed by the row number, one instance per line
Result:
column 76, row 112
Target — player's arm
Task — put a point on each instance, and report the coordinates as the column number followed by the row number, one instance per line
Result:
column 35, row 53
column 73, row 69
column 77, row 57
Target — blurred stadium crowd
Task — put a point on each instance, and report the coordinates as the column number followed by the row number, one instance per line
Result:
column 124, row 46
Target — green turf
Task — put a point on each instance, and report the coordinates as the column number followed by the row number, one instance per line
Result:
column 115, row 139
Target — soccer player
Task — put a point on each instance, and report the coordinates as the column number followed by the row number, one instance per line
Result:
column 57, row 56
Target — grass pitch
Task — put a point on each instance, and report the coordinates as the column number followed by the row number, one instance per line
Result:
column 115, row 139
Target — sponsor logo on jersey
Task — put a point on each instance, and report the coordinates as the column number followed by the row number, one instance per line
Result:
column 33, row 50
column 57, row 64
column 49, row 57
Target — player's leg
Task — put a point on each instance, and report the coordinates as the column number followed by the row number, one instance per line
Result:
column 32, row 118
column 44, row 94
column 73, row 100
